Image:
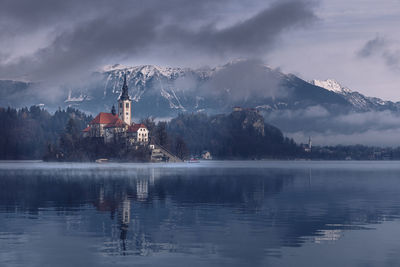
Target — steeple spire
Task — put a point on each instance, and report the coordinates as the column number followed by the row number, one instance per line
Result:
column 125, row 104
column 124, row 94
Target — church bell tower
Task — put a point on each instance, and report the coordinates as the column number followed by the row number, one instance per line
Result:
column 125, row 104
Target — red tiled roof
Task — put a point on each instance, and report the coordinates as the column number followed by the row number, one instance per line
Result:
column 87, row 129
column 118, row 123
column 104, row 118
column 134, row 128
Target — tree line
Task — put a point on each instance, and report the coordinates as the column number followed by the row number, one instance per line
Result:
column 26, row 133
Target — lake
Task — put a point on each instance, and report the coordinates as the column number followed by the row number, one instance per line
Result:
column 233, row 213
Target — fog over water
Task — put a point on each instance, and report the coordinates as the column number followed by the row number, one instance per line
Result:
column 258, row 213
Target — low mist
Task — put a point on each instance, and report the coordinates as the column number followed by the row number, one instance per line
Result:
column 375, row 128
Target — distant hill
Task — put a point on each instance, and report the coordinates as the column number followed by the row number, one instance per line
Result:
column 238, row 135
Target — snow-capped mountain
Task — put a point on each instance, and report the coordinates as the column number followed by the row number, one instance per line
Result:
column 331, row 85
column 165, row 91
column 357, row 100
column 155, row 90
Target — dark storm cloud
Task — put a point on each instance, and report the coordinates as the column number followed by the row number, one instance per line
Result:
column 85, row 34
column 251, row 36
column 383, row 48
column 372, row 47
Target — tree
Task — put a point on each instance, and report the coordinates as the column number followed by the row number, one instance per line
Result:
column 180, row 148
column 161, row 135
column 72, row 128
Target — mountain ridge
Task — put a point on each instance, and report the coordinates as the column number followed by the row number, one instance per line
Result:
column 360, row 101
column 166, row 91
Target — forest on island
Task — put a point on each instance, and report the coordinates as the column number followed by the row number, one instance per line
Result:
column 26, row 133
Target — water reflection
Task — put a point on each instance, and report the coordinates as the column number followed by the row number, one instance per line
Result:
column 202, row 216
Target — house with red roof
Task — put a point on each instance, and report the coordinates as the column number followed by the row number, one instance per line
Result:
column 138, row 133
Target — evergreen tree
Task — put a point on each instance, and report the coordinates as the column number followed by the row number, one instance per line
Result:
column 180, row 148
column 161, row 135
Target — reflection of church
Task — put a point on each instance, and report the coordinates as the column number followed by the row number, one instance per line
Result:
column 120, row 201
column 124, row 218
column 142, row 189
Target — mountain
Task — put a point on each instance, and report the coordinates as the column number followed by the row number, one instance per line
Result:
column 359, row 102
column 165, row 91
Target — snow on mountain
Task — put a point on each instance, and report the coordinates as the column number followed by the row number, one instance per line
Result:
column 331, row 85
column 112, row 67
column 358, row 100
column 146, row 80
column 166, row 91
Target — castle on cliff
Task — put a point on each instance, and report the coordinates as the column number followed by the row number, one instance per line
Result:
column 113, row 127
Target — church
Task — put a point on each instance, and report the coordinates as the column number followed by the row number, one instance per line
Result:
column 113, row 127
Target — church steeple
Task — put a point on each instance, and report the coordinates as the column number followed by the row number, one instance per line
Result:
column 125, row 104
column 124, row 94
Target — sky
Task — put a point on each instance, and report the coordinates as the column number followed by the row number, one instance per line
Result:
column 355, row 42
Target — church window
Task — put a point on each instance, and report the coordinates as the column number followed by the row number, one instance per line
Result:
column 127, row 105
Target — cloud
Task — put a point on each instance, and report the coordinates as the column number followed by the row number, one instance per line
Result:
column 367, row 120
column 254, row 35
column 242, row 80
column 382, row 138
column 372, row 47
column 382, row 48
column 81, row 35
column 378, row 128
column 315, row 112
column 312, row 113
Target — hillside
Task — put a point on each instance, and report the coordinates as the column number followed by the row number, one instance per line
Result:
column 238, row 135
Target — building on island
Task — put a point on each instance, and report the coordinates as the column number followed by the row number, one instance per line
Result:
column 119, row 128
column 138, row 133
column 308, row 147
column 206, row 155
column 114, row 127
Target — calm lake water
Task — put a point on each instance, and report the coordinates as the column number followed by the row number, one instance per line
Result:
column 207, row 214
